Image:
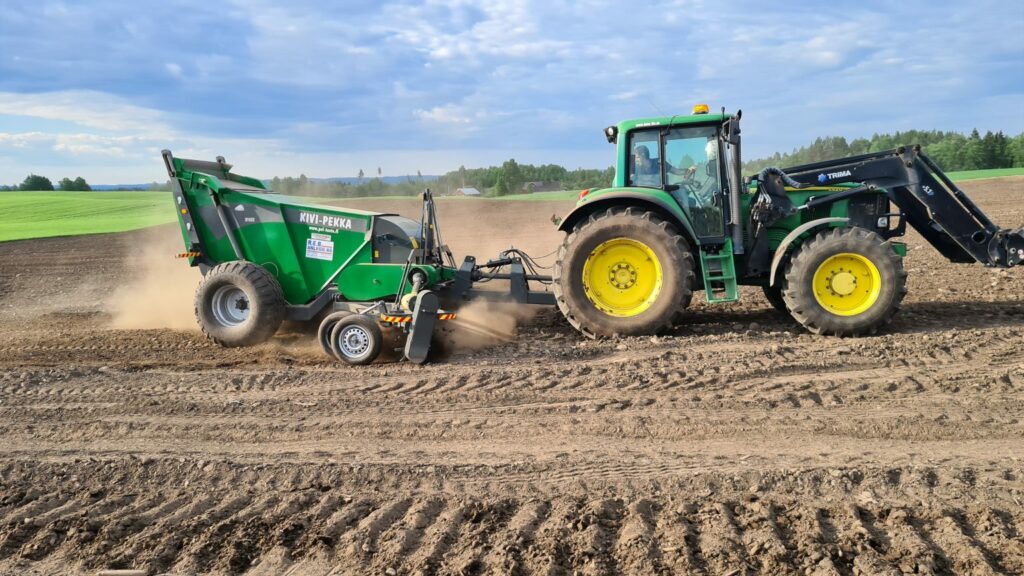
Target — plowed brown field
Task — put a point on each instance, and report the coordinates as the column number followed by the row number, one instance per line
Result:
column 738, row 444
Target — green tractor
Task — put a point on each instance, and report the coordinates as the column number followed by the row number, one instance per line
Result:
column 818, row 239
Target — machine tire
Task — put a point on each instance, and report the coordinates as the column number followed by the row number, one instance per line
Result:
column 356, row 339
column 623, row 224
column 239, row 303
column 323, row 333
column 875, row 295
column 680, row 316
column 774, row 296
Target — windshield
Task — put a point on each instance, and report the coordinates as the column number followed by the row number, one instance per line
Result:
column 692, row 154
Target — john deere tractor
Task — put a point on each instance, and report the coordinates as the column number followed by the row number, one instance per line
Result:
column 819, row 239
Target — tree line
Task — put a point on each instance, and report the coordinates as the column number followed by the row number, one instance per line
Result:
column 509, row 178
column 952, row 151
column 512, row 178
column 35, row 182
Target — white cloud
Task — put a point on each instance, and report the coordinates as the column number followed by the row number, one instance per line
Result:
column 214, row 66
column 513, row 29
column 282, row 83
column 627, row 95
column 22, row 140
column 448, row 114
column 92, row 144
column 86, row 108
column 123, row 144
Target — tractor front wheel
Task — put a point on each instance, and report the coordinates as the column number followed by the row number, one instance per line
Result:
column 844, row 282
column 239, row 304
column 623, row 272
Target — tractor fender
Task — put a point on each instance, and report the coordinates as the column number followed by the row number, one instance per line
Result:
column 635, row 199
column 784, row 245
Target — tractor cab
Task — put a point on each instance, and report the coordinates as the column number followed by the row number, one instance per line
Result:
column 682, row 157
column 683, row 161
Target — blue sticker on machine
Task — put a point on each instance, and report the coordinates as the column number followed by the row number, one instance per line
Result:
column 319, row 249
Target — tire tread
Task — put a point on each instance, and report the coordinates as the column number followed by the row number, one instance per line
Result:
column 679, row 251
column 268, row 294
column 804, row 307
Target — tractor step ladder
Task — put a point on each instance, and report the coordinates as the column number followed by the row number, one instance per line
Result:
column 719, row 274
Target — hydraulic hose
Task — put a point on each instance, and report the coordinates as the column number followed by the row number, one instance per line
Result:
column 773, row 171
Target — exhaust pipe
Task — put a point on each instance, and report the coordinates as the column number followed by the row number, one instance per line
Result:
column 732, row 137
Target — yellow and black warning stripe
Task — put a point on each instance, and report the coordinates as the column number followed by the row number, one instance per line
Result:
column 395, row 319
column 389, row 319
column 188, row 255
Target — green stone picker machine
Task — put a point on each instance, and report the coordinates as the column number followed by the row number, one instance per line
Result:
column 267, row 258
column 820, row 239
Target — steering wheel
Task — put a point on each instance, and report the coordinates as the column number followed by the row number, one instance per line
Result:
column 692, row 189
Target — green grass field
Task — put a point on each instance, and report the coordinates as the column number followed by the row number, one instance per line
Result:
column 979, row 174
column 25, row 215
column 44, row 214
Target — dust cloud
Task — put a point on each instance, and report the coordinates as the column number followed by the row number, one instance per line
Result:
column 481, row 324
column 158, row 288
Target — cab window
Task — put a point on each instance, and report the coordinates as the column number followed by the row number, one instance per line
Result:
column 644, row 159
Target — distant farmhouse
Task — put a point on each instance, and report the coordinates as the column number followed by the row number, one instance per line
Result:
column 543, row 186
column 468, row 191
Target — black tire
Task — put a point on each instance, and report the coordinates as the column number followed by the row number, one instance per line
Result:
column 680, row 316
column 239, row 303
column 798, row 282
column 774, row 296
column 672, row 252
column 356, row 339
column 687, row 299
column 323, row 333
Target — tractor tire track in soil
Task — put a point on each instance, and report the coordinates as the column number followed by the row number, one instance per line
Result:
column 736, row 444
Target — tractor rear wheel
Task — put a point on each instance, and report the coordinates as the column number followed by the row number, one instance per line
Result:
column 239, row 303
column 844, row 282
column 356, row 339
column 623, row 272
column 774, row 296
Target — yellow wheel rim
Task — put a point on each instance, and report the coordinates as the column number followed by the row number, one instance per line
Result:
column 622, row 277
column 847, row 284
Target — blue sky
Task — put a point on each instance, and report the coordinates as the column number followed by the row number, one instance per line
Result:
column 97, row 88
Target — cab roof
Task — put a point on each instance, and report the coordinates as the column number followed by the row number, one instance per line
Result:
column 678, row 120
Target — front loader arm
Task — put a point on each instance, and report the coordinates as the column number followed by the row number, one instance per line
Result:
column 928, row 200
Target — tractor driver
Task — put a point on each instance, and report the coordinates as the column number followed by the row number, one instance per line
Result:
column 647, row 171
